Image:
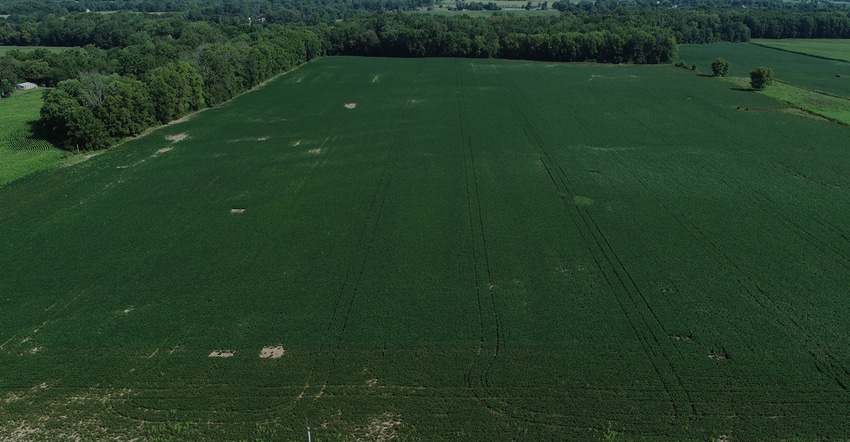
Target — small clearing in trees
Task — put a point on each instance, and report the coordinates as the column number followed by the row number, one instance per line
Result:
column 272, row 352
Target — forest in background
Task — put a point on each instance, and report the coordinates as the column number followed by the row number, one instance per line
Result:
column 138, row 64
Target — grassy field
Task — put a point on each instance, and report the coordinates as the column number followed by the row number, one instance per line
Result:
column 835, row 49
column 439, row 249
column 20, row 154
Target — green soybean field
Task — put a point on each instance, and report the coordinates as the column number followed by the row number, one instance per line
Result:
column 439, row 249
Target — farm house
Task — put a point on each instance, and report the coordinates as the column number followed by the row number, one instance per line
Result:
column 25, row 86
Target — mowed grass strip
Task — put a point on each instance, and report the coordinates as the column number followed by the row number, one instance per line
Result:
column 832, row 108
column 20, row 153
column 444, row 249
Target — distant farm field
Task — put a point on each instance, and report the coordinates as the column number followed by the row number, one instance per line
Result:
column 830, row 76
column 836, row 49
column 439, row 249
column 20, row 152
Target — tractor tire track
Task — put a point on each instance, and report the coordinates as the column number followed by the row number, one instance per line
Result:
column 482, row 269
column 621, row 281
column 825, row 362
column 331, row 345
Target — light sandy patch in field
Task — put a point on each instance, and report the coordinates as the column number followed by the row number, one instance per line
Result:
column 315, row 151
column 126, row 166
column 272, row 352
column 12, row 397
column 80, row 158
column 182, row 119
column 295, row 143
column 376, row 79
column 372, row 382
column 380, row 428
column 350, row 105
column 299, row 79
column 222, row 353
column 161, row 151
column 237, row 210
column 262, row 138
column 128, row 309
column 177, row 137
column 414, row 101
column 35, row 350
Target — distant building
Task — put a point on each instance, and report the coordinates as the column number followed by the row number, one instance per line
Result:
column 25, row 86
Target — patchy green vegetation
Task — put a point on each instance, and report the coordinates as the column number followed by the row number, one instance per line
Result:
column 439, row 249
column 835, row 49
column 20, row 152
column 6, row 49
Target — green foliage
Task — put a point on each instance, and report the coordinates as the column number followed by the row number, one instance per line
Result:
column 176, row 90
column 719, row 67
column 761, row 77
column 6, row 87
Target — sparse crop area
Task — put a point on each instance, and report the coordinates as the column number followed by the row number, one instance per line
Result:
column 431, row 249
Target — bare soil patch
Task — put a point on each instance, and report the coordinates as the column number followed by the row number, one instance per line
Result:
column 315, row 151
column 272, row 352
column 237, row 210
column 222, row 353
column 163, row 150
column 176, row 137
column 350, row 105
column 80, row 158
column 380, row 428
column 296, row 143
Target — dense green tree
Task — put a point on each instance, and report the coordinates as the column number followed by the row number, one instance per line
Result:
column 719, row 67
column 175, row 89
column 6, row 87
column 761, row 77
